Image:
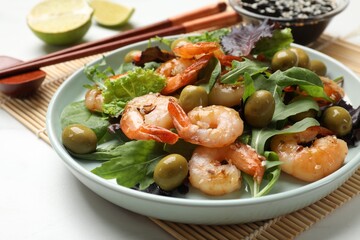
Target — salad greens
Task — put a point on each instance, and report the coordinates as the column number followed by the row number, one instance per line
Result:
column 132, row 163
column 135, row 83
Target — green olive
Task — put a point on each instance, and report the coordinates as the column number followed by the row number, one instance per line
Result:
column 171, row 171
column 79, row 139
column 132, row 55
column 302, row 56
column 179, row 42
column 226, row 94
column 284, row 59
column 259, row 108
column 193, row 96
column 312, row 113
column 338, row 120
column 318, row 67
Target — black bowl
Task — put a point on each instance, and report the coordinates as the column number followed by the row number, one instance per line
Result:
column 304, row 30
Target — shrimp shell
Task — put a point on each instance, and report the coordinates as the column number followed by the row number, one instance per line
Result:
column 309, row 163
column 211, row 126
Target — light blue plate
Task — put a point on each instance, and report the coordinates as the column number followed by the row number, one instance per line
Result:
column 289, row 194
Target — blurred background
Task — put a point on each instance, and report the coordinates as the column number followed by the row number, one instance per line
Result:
column 18, row 41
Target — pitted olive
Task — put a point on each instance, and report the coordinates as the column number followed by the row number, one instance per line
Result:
column 283, row 60
column 302, row 57
column 318, row 67
column 259, row 108
column 171, row 171
column 79, row 139
column 338, row 120
column 193, row 96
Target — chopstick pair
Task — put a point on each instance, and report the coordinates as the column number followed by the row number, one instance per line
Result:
column 204, row 18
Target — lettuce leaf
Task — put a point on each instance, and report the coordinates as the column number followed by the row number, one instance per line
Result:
column 135, row 83
column 133, row 164
column 77, row 113
column 268, row 46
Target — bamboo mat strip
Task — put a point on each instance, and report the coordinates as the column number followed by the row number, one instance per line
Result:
column 31, row 112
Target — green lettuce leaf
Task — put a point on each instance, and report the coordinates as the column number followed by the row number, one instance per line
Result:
column 133, row 164
column 77, row 113
column 268, row 46
column 133, row 84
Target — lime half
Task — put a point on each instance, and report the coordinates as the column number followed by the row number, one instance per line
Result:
column 111, row 14
column 60, row 22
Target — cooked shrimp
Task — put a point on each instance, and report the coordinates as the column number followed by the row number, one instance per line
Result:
column 180, row 72
column 332, row 90
column 195, row 50
column 147, row 117
column 209, row 174
column 310, row 163
column 211, row 126
column 94, row 100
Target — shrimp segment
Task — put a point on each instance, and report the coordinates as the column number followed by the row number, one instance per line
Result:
column 310, row 163
column 191, row 50
column 94, row 100
column 212, row 126
column 181, row 72
column 209, row 174
column 147, row 118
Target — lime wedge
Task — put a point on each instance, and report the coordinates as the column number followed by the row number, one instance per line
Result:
column 111, row 14
column 60, row 22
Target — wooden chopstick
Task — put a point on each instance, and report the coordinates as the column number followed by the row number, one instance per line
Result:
column 219, row 20
column 173, row 21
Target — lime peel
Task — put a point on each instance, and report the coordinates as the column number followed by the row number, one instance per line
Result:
column 60, row 22
column 111, row 14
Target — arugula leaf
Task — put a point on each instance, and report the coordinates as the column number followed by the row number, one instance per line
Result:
column 249, row 87
column 133, row 165
column 271, row 176
column 77, row 113
column 210, row 74
column 272, row 173
column 239, row 68
column 133, row 84
column 303, row 104
column 103, row 153
column 260, row 136
column 181, row 147
column 307, row 81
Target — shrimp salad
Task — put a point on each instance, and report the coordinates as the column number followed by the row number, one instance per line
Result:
column 220, row 112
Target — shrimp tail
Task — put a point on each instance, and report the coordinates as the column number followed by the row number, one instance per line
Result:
column 189, row 76
column 159, row 134
column 178, row 115
column 248, row 161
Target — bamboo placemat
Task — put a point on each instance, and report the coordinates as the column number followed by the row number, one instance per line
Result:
column 31, row 112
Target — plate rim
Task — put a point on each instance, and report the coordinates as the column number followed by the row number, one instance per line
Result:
column 70, row 162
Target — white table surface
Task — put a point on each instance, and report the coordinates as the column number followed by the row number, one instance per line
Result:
column 40, row 198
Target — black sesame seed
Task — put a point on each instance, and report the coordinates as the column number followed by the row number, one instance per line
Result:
column 289, row 9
